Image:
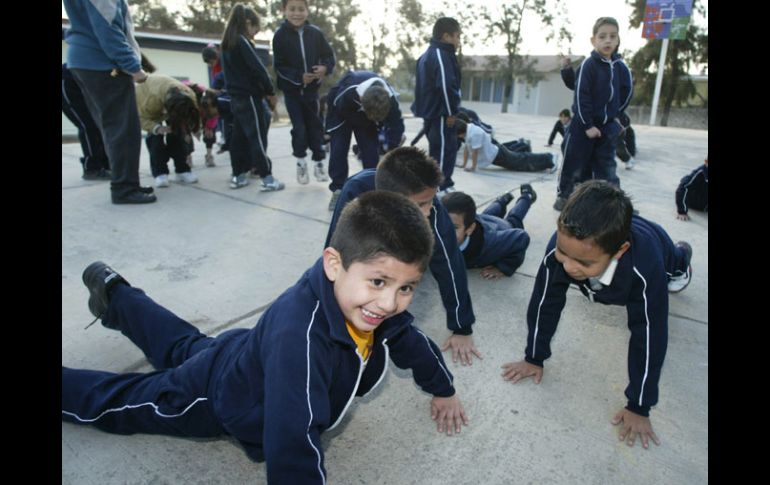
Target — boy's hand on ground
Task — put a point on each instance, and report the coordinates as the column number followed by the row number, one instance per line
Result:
column 491, row 273
column 593, row 132
column 683, row 217
column 516, row 371
column 448, row 413
column 462, row 348
column 632, row 424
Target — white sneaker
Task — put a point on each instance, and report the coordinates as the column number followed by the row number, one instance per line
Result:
column 161, row 180
column 302, row 177
column 272, row 186
column 320, row 172
column 186, row 178
column 630, row 163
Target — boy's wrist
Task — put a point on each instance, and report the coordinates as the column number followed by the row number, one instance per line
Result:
column 532, row 361
column 465, row 331
column 640, row 410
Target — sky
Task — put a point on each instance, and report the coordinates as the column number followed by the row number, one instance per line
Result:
column 582, row 14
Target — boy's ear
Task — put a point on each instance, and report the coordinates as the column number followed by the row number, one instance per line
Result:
column 469, row 230
column 332, row 263
column 622, row 250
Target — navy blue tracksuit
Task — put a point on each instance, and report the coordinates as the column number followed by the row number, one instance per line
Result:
column 639, row 283
column 247, row 83
column 436, row 97
column 603, row 89
column 345, row 116
column 74, row 107
column 295, row 53
column 275, row 387
column 693, row 191
column 446, row 264
column 503, row 242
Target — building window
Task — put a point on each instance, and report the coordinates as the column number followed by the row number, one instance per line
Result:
column 498, row 92
column 476, row 94
column 465, row 87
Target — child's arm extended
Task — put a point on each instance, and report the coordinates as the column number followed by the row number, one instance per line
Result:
column 448, row 413
column 474, row 160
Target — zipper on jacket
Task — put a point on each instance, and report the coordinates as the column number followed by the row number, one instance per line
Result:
column 353, row 394
column 304, row 61
column 384, row 368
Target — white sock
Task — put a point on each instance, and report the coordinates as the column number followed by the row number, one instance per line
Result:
column 301, row 162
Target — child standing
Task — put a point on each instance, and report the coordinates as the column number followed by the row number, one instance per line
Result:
column 302, row 58
column 693, row 192
column 603, row 89
column 614, row 258
column 247, row 84
column 437, row 95
column 277, row 386
column 492, row 240
column 560, row 127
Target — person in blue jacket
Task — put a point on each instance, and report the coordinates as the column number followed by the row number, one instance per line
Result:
column 494, row 241
column 693, row 192
column 603, row 89
column 302, row 58
column 614, row 258
column 411, row 172
column 277, row 386
column 360, row 104
column 437, row 95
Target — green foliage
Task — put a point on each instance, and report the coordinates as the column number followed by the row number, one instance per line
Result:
column 150, row 14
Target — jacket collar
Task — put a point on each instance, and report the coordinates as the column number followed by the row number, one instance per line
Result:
column 442, row 45
column 614, row 57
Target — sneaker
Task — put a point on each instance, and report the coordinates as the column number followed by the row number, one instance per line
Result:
column 210, row 160
column 239, row 181
column 302, row 177
column 135, row 197
column 679, row 283
column 556, row 161
column 101, row 174
column 630, row 163
column 559, row 204
column 161, row 180
column 100, row 279
column 505, row 199
column 320, row 172
column 272, row 186
column 186, row 178
column 527, row 189
column 335, row 197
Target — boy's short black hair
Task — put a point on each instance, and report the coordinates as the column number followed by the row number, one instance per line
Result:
column 600, row 211
column 565, row 112
column 209, row 54
column 284, row 2
column 462, row 115
column 407, row 171
column 462, row 204
column 461, row 126
column 381, row 223
column 376, row 102
column 445, row 25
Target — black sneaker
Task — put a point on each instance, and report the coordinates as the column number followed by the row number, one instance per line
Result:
column 527, row 189
column 679, row 283
column 101, row 174
column 135, row 197
column 100, row 279
column 146, row 190
column 505, row 199
column 559, row 204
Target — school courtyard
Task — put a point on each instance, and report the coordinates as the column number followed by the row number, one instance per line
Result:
column 218, row 257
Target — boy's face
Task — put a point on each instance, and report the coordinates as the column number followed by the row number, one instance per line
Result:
column 461, row 231
column 453, row 39
column 296, row 12
column 583, row 259
column 424, row 200
column 606, row 40
column 372, row 291
column 564, row 119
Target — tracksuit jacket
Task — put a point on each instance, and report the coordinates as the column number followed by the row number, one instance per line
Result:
column 504, row 246
column 446, row 264
column 603, row 89
column 245, row 74
column 438, row 81
column 640, row 283
column 275, row 387
column 693, row 191
column 295, row 54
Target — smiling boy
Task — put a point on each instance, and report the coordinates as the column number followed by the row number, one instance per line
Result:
column 277, row 386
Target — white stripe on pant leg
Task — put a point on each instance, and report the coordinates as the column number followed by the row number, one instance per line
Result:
column 133, row 406
column 441, row 128
column 82, row 125
column 259, row 134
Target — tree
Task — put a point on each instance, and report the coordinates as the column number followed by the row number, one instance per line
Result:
column 411, row 37
column 209, row 17
column 150, row 14
column 682, row 54
column 507, row 22
column 382, row 49
column 334, row 18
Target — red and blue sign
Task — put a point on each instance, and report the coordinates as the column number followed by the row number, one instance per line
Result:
column 666, row 19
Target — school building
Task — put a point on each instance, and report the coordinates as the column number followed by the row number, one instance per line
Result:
column 481, row 82
column 176, row 54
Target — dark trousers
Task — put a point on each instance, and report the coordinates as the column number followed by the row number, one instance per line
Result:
column 248, row 144
column 306, row 125
column 522, row 161
column 585, row 158
column 625, row 144
column 442, row 142
column 112, row 104
column 74, row 107
column 172, row 400
column 517, row 146
column 162, row 148
column 515, row 216
column 368, row 145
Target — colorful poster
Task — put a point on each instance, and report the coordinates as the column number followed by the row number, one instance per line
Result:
column 666, row 19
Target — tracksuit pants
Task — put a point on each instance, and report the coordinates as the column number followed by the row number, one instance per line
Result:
column 248, row 146
column 306, row 125
column 165, row 147
column 368, row 145
column 515, row 216
column 522, row 161
column 585, row 158
column 442, row 142
column 74, row 107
